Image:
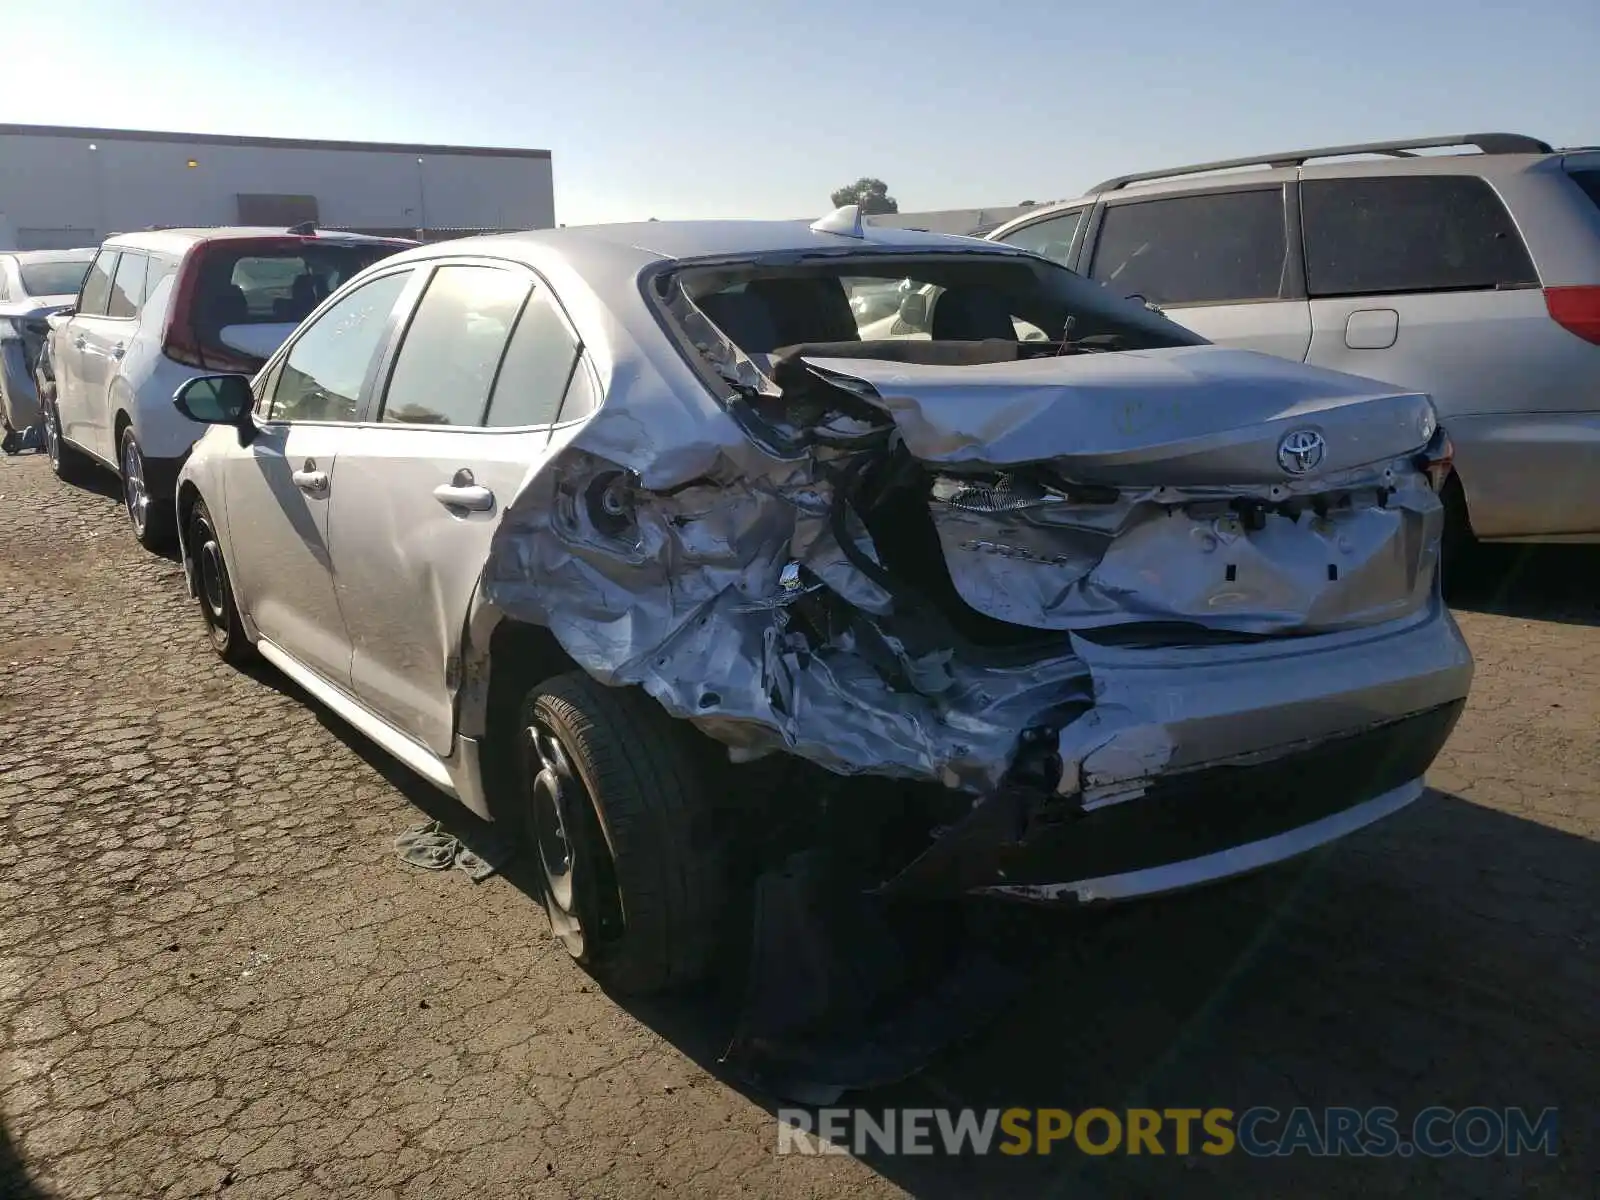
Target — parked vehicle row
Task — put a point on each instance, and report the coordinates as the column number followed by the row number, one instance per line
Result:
column 162, row 306
column 1473, row 277
column 570, row 521
column 1045, row 586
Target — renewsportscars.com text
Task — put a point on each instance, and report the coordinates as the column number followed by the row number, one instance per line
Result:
column 1259, row 1132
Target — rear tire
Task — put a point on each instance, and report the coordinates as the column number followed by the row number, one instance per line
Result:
column 1460, row 556
column 70, row 464
column 616, row 808
column 152, row 516
column 214, row 590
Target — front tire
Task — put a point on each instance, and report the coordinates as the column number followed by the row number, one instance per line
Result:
column 150, row 515
column 617, row 810
column 214, row 590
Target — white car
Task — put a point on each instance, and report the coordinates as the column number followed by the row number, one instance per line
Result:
column 33, row 284
column 160, row 307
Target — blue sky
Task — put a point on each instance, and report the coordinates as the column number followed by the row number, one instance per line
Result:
column 708, row 108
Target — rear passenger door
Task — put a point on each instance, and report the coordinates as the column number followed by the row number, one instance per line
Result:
column 104, row 344
column 471, row 392
column 1220, row 262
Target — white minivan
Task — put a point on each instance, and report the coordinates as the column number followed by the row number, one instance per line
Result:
column 158, row 308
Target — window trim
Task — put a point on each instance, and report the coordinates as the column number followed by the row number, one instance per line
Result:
column 1291, row 279
column 116, row 258
column 380, row 396
column 266, row 379
column 1085, row 212
column 584, row 363
column 372, row 413
column 138, row 308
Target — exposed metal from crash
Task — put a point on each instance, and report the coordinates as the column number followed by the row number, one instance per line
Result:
column 882, row 566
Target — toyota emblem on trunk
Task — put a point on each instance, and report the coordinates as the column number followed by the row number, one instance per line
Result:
column 1301, row 451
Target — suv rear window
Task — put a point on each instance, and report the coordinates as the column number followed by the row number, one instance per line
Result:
column 1214, row 248
column 1588, row 179
column 257, row 283
column 1409, row 233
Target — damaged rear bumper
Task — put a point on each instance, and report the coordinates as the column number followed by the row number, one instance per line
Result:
column 1186, row 773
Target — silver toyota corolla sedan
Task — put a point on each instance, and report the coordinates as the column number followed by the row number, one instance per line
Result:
column 1032, row 594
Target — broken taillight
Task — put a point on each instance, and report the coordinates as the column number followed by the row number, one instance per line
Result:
column 1575, row 309
column 1437, row 459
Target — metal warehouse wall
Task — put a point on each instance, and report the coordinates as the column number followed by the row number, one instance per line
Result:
column 55, row 189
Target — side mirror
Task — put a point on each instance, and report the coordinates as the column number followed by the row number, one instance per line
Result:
column 914, row 310
column 217, row 400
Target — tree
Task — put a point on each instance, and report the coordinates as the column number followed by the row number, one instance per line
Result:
column 871, row 194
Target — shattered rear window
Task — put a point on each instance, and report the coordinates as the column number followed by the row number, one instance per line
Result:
column 959, row 297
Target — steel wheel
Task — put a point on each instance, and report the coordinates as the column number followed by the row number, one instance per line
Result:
column 557, row 802
column 213, row 585
column 135, row 496
column 52, row 437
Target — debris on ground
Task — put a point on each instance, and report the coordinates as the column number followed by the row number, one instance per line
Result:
column 434, row 848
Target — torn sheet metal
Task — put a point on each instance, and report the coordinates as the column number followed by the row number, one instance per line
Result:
column 1189, row 556
column 683, row 580
column 677, row 597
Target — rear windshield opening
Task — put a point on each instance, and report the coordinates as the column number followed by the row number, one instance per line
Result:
column 60, row 278
column 263, row 286
column 950, row 298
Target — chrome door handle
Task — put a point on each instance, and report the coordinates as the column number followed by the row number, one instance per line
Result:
column 473, row 497
column 310, row 481
column 119, row 351
column 80, row 342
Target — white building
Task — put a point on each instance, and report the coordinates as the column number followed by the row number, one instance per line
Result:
column 952, row 220
column 62, row 186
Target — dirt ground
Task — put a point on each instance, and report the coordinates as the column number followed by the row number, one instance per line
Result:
column 216, row 978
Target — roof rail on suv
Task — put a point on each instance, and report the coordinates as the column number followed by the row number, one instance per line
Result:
column 1487, row 143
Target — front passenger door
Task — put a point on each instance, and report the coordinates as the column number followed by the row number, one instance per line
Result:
column 279, row 489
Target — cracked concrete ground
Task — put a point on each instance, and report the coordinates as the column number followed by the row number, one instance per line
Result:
column 216, row 978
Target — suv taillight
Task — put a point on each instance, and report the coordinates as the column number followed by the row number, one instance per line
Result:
column 1576, row 309
column 180, row 340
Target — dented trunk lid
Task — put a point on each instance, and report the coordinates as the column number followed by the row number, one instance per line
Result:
column 1172, row 417
column 1232, row 492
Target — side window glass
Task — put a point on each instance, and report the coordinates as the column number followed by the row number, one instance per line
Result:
column 127, row 286
column 321, row 377
column 538, row 365
column 1051, row 238
column 161, row 266
column 1217, row 248
column 97, row 285
column 453, row 346
column 1417, row 233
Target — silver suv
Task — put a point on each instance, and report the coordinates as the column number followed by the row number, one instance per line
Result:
column 1472, row 276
